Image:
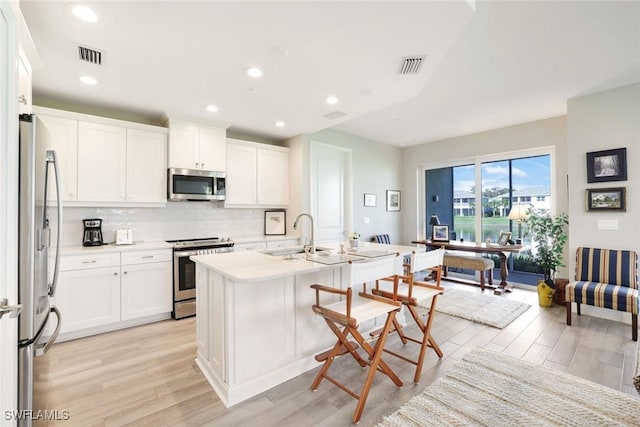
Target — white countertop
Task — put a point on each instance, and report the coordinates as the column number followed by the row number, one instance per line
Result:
column 110, row 248
column 252, row 266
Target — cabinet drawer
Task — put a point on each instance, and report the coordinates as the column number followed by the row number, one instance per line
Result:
column 83, row 262
column 253, row 246
column 143, row 257
column 282, row 243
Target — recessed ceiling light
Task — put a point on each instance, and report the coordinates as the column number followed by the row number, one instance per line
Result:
column 332, row 100
column 212, row 108
column 88, row 80
column 254, row 72
column 280, row 124
column 83, row 12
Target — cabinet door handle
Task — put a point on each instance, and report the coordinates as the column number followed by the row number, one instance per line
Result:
column 115, row 274
column 202, row 165
column 124, row 272
column 22, row 99
column 93, row 261
column 147, row 257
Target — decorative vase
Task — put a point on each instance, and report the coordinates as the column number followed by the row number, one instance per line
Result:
column 353, row 243
column 546, row 289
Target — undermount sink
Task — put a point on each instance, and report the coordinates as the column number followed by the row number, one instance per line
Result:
column 291, row 251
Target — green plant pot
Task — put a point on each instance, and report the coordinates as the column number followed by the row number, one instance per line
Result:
column 545, row 294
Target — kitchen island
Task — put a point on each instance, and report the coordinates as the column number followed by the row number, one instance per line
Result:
column 254, row 325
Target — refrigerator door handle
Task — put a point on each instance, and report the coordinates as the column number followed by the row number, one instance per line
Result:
column 51, row 158
column 41, row 349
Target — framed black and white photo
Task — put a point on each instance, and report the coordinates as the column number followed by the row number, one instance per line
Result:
column 393, row 200
column 370, row 199
column 275, row 223
column 606, row 199
column 504, row 238
column 440, row 233
column 607, row 165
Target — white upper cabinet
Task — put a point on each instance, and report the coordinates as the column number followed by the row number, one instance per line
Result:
column 193, row 146
column 273, row 177
column 241, row 175
column 146, row 166
column 102, row 161
column 257, row 175
column 61, row 135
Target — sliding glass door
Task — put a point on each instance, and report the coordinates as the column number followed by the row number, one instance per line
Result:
column 508, row 188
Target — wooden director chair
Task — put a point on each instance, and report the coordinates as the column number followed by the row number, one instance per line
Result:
column 344, row 318
column 413, row 294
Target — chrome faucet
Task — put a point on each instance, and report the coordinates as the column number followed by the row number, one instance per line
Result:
column 312, row 243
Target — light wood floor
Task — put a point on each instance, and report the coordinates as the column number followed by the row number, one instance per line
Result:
column 146, row 376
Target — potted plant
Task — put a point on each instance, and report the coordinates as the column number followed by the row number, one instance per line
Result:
column 548, row 238
column 354, row 238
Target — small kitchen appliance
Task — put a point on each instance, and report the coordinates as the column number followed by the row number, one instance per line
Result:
column 124, row 236
column 92, row 232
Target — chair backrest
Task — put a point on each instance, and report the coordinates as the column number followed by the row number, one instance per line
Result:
column 616, row 267
column 371, row 270
column 423, row 260
column 382, row 238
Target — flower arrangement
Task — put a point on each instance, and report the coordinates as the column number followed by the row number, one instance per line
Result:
column 354, row 235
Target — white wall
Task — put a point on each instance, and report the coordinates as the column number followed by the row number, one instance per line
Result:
column 376, row 168
column 603, row 121
column 178, row 220
column 496, row 142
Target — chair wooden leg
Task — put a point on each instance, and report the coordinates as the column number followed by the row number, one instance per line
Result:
column 426, row 340
column 634, row 327
column 482, row 280
column 376, row 361
column 578, row 308
column 490, row 276
column 568, row 304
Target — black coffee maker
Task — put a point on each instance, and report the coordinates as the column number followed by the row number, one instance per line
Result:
column 92, row 232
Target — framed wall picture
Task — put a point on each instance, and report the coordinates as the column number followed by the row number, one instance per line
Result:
column 606, row 199
column 275, row 223
column 504, row 238
column 370, row 199
column 393, row 200
column 440, row 233
column 607, row 165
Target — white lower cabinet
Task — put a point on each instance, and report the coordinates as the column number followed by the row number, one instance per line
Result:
column 146, row 289
column 98, row 292
column 88, row 298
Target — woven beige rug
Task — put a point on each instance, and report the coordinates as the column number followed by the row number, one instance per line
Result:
column 492, row 310
column 492, row 389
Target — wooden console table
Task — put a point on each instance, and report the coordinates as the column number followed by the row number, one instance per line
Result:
column 501, row 251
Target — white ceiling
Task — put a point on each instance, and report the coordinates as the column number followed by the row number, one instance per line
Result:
column 505, row 63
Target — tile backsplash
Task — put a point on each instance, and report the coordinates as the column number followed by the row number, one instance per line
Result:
column 182, row 220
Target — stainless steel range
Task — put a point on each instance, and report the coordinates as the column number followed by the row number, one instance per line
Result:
column 184, row 270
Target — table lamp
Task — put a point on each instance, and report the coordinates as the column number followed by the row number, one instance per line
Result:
column 519, row 213
column 433, row 221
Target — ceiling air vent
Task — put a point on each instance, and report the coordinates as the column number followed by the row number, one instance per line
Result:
column 334, row 115
column 411, row 64
column 92, row 56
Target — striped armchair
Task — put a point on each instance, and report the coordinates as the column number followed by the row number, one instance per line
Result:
column 605, row 278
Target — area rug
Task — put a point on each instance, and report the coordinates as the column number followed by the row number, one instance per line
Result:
column 496, row 311
column 492, row 389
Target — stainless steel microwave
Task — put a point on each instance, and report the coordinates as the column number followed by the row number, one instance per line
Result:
column 195, row 184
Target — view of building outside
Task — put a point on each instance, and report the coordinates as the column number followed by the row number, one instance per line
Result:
column 505, row 184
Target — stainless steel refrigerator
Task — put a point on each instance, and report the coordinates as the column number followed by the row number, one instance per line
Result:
column 35, row 289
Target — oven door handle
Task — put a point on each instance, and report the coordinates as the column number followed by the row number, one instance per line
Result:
column 182, row 254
